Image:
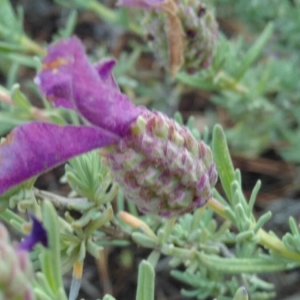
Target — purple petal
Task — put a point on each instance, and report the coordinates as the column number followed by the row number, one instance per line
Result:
column 63, row 103
column 34, row 148
column 38, row 235
column 104, row 69
column 67, row 74
column 141, row 3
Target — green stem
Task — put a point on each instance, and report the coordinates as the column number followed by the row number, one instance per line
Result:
column 225, row 81
column 276, row 245
column 264, row 238
column 111, row 16
column 103, row 11
column 153, row 258
column 169, row 227
column 32, row 46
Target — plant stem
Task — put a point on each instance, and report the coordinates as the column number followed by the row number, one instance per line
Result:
column 60, row 201
column 225, row 81
column 111, row 16
column 264, row 238
column 32, row 46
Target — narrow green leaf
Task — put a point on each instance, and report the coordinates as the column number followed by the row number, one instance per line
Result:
column 51, row 263
column 223, row 160
column 146, row 278
column 189, row 294
column 21, row 59
column 12, row 218
column 289, row 241
column 44, row 284
column 19, row 99
column 242, row 265
column 241, row 294
column 253, row 196
column 196, row 81
column 69, row 27
column 178, row 117
column 254, row 51
column 293, row 226
column 143, row 240
column 262, row 221
column 41, row 295
column 10, row 47
column 7, row 15
column 244, row 236
column 94, row 249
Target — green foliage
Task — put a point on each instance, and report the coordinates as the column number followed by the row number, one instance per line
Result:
column 255, row 79
column 50, row 258
column 89, row 178
column 145, row 290
column 116, row 17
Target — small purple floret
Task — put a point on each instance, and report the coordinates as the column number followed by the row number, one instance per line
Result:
column 38, row 235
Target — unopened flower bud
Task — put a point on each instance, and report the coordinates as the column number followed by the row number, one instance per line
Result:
column 162, row 167
column 15, row 270
column 182, row 34
column 201, row 29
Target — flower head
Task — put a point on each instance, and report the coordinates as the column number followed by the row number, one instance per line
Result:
column 164, row 170
column 182, row 34
column 160, row 165
column 16, row 269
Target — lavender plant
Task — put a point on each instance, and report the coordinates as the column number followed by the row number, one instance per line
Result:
column 137, row 176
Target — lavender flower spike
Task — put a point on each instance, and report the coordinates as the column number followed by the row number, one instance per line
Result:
column 160, row 165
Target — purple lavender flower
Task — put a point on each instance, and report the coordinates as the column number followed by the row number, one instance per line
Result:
column 161, row 166
column 38, row 235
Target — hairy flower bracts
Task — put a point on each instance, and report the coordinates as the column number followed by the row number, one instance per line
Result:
column 162, row 167
column 188, row 43
column 201, row 29
column 16, row 272
column 159, row 164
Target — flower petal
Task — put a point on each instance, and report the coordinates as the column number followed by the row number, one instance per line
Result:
column 34, row 148
column 38, row 235
column 68, row 74
column 104, row 69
